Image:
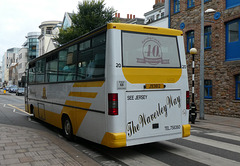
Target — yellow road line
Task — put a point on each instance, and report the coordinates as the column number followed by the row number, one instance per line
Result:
column 18, row 109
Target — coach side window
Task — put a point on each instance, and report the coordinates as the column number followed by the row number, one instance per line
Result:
column 40, row 70
column 51, row 68
column 91, row 62
column 67, row 64
column 31, row 73
column 99, row 49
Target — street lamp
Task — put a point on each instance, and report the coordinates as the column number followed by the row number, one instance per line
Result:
column 201, row 112
column 192, row 113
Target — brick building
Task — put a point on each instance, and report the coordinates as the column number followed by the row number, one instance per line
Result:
column 222, row 51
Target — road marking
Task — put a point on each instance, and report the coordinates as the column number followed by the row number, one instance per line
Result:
column 227, row 136
column 19, row 109
column 134, row 158
column 213, row 143
column 199, row 156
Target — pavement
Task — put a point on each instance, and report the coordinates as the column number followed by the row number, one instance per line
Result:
column 21, row 146
column 224, row 124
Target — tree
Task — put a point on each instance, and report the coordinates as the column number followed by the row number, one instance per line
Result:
column 91, row 14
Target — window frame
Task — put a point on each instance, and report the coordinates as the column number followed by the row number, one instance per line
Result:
column 208, row 45
column 231, row 47
column 192, row 3
column 237, row 85
column 176, row 6
column 232, row 4
column 209, row 89
column 190, row 37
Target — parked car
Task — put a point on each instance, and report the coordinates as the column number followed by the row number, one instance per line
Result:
column 20, row 91
column 7, row 88
column 13, row 89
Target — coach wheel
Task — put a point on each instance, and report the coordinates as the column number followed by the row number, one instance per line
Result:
column 32, row 110
column 67, row 128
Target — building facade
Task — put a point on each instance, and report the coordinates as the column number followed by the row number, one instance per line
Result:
column 32, row 44
column 10, row 65
column 49, row 30
column 159, row 15
column 67, row 20
column 1, row 74
column 221, row 50
column 22, row 64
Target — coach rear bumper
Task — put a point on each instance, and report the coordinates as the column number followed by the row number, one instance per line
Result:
column 186, row 130
column 114, row 140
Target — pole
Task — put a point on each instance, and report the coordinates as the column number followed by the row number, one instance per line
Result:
column 193, row 74
column 202, row 63
column 192, row 113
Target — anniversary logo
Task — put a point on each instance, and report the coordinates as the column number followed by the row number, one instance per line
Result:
column 145, row 120
column 152, row 52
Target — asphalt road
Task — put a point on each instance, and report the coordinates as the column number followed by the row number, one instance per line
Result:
column 12, row 112
column 203, row 147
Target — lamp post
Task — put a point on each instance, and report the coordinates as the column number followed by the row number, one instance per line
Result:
column 192, row 113
column 201, row 112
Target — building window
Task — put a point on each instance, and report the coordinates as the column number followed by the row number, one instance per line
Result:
column 237, row 87
column 162, row 14
column 207, row 37
column 190, row 40
column 49, row 30
column 233, row 40
column 233, row 32
column 208, row 89
column 176, row 6
column 191, row 3
column 232, row 3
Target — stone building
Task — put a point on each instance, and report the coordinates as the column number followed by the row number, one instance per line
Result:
column 221, row 52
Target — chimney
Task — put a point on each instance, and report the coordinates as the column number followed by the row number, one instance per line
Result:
column 127, row 16
column 130, row 16
column 158, row 3
column 115, row 15
column 133, row 16
column 118, row 15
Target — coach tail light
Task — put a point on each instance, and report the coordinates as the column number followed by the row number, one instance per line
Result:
column 187, row 100
column 112, row 104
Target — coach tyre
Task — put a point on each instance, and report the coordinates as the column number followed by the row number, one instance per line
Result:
column 67, row 128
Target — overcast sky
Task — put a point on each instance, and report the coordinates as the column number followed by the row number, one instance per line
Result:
column 18, row 17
